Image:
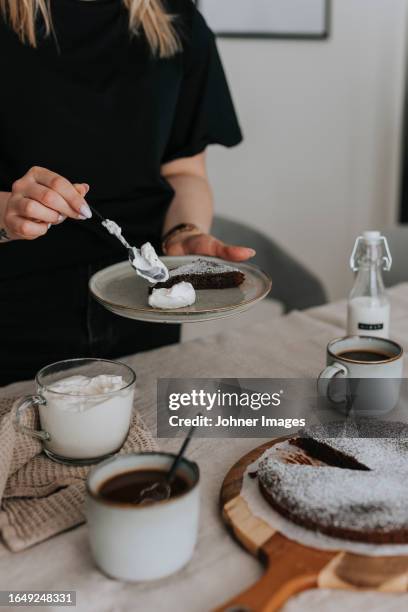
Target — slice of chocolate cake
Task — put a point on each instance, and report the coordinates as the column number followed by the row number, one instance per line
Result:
column 204, row 274
column 349, row 444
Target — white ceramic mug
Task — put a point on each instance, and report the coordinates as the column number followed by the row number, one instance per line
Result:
column 370, row 388
column 75, row 428
column 142, row 542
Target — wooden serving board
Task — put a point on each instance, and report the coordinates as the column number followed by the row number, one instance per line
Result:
column 290, row 567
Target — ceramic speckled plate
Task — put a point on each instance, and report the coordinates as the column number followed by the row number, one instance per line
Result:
column 123, row 292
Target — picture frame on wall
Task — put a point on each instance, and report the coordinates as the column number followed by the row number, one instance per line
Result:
column 284, row 19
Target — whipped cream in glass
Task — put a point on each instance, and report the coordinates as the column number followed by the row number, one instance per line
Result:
column 86, row 417
column 86, row 385
column 178, row 296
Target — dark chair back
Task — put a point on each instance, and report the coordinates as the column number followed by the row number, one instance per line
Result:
column 292, row 284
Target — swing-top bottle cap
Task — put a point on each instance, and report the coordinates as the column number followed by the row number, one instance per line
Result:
column 372, row 236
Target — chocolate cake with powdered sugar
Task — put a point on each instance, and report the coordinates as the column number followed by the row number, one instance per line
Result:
column 360, row 445
column 204, row 274
column 353, row 488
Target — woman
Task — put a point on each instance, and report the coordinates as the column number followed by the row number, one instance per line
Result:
column 111, row 103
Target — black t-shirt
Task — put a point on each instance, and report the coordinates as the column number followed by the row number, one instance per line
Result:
column 99, row 108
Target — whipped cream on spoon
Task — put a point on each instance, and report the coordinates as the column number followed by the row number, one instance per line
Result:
column 144, row 260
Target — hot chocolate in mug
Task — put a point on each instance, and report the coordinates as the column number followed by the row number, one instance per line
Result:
column 85, row 409
column 363, row 374
column 136, row 542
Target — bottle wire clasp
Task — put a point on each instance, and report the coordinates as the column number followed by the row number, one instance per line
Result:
column 386, row 259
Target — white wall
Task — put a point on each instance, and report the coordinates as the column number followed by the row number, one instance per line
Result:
column 322, row 124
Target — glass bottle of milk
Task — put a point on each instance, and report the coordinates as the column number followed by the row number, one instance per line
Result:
column 368, row 304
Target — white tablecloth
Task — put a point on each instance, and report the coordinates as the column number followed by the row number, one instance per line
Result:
column 292, row 346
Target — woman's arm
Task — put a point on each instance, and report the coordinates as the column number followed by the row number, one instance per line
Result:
column 193, row 200
column 193, row 203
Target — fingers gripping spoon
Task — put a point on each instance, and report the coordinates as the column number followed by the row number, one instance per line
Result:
column 144, row 260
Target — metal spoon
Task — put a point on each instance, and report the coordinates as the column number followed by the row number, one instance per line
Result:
column 161, row 490
column 155, row 275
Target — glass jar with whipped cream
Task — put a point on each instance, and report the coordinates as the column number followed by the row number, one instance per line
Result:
column 84, row 408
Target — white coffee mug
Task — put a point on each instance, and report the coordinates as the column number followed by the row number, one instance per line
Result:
column 133, row 542
column 363, row 373
column 75, row 428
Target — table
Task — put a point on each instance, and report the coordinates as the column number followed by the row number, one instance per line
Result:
column 291, row 346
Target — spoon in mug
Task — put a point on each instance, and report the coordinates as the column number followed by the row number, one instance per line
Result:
column 160, row 491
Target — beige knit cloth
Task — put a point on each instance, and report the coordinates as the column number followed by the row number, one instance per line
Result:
column 38, row 497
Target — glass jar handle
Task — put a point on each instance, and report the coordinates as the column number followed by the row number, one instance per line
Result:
column 30, row 401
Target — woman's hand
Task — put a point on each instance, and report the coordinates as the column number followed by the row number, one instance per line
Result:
column 205, row 244
column 39, row 199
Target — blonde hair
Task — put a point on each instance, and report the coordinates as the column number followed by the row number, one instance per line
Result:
column 148, row 16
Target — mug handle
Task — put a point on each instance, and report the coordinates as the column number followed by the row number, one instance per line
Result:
column 323, row 381
column 23, row 404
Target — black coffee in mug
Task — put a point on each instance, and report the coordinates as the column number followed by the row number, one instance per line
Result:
column 363, row 375
column 125, row 488
column 364, row 355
